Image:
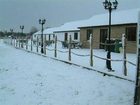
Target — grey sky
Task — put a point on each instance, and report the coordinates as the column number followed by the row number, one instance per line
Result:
column 14, row 13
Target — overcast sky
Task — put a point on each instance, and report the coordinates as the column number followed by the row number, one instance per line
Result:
column 14, row 13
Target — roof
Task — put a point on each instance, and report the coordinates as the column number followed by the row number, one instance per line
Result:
column 71, row 26
column 47, row 31
column 50, row 30
column 117, row 17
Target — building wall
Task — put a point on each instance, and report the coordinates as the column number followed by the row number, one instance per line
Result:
column 39, row 36
column 116, row 33
column 61, row 35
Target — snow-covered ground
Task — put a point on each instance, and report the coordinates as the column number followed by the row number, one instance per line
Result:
column 29, row 79
column 98, row 64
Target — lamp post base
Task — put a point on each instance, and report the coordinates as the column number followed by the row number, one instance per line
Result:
column 108, row 62
column 42, row 51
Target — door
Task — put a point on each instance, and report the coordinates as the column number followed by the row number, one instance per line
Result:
column 103, row 37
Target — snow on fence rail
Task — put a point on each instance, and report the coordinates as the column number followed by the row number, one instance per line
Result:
column 35, row 47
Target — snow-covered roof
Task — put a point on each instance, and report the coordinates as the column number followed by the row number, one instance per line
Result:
column 50, row 30
column 38, row 32
column 117, row 17
column 47, row 31
column 71, row 26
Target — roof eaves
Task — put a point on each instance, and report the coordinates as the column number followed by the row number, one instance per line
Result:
column 107, row 25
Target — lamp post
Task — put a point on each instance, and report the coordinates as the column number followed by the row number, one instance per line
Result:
column 11, row 30
column 108, row 5
column 42, row 22
column 22, row 27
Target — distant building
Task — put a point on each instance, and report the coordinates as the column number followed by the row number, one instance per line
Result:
column 70, row 28
column 48, row 35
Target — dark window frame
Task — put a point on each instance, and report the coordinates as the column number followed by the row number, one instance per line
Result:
column 76, row 36
column 131, row 33
column 49, row 37
column 103, row 37
column 89, row 31
column 66, row 37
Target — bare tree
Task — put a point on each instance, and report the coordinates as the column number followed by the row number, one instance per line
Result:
column 33, row 30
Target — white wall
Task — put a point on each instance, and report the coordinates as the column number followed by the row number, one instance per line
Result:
column 60, row 36
column 39, row 37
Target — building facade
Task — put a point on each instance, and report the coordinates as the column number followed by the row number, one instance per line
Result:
column 100, row 35
column 64, row 36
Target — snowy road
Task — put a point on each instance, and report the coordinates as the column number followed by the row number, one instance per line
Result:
column 29, row 79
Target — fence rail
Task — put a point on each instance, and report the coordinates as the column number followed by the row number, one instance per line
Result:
column 29, row 45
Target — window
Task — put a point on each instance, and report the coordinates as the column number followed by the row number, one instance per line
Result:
column 66, row 37
column 49, row 37
column 89, row 32
column 131, row 33
column 103, row 35
column 75, row 36
column 53, row 35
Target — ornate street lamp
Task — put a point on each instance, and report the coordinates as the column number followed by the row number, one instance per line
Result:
column 11, row 30
column 42, row 22
column 22, row 27
column 108, row 5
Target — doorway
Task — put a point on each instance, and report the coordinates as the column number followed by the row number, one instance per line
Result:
column 103, row 37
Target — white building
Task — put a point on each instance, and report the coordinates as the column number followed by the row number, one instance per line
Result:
column 47, row 34
column 63, row 32
column 70, row 28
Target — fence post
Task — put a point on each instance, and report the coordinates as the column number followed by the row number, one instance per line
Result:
column 55, row 50
column 70, row 48
column 19, row 42
column 37, row 45
column 26, row 43
column 45, row 44
column 22, row 42
column 31, row 44
column 91, row 50
column 16, row 41
column 124, row 54
column 11, row 40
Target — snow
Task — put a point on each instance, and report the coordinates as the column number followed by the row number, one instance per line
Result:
column 70, row 26
column 29, row 79
column 47, row 31
column 117, row 17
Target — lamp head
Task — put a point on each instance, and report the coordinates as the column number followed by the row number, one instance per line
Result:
column 11, row 30
column 115, row 4
column 21, row 27
column 105, row 4
column 43, row 21
column 39, row 21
